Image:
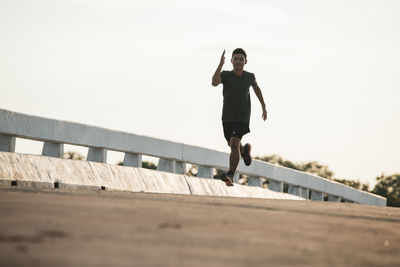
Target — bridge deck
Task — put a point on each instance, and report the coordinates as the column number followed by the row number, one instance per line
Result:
column 99, row 228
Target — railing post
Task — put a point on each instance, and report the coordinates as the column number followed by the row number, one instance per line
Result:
column 317, row 196
column 55, row 150
column 97, row 154
column 7, row 143
column 305, row 192
column 236, row 177
column 180, row 167
column 334, row 198
column 166, row 165
column 132, row 160
column 275, row 186
column 294, row 190
column 255, row 181
column 205, row 172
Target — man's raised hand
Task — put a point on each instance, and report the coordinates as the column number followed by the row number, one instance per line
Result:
column 216, row 79
column 222, row 61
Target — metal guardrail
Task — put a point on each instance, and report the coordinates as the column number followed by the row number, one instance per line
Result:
column 172, row 156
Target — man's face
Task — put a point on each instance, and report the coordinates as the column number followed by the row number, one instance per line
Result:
column 238, row 61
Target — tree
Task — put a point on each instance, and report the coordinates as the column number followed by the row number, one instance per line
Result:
column 316, row 168
column 355, row 184
column 73, row 155
column 145, row 164
column 312, row 167
column 192, row 171
column 389, row 187
column 149, row 165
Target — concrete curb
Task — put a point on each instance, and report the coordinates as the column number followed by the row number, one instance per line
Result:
column 47, row 172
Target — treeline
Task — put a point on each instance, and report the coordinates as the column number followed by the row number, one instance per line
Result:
column 386, row 186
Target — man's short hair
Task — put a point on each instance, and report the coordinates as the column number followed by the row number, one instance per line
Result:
column 240, row 51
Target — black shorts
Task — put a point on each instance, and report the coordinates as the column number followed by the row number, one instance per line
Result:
column 235, row 129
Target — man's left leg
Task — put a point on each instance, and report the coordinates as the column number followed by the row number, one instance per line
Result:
column 244, row 153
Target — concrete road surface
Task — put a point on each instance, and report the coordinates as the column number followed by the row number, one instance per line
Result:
column 88, row 228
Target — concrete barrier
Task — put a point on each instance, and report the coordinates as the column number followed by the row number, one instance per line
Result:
column 48, row 172
column 173, row 156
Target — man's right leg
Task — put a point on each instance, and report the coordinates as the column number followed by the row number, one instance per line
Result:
column 233, row 161
column 235, row 153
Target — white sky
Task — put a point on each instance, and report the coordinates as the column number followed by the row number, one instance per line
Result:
column 329, row 72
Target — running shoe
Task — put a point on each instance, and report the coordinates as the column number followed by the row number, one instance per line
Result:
column 246, row 154
column 227, row 177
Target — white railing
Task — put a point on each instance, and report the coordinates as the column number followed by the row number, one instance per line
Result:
column 172, row 156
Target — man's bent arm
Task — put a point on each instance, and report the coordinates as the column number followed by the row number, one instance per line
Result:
column 216, row 79
column 259, row 95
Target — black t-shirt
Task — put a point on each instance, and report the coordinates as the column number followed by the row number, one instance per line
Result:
column 237, row 106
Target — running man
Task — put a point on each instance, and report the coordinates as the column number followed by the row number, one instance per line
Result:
column 237, row 108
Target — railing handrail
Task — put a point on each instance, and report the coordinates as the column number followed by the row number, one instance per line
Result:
column 64, row 132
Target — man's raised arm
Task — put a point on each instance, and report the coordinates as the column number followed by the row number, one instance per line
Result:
column 216, row 79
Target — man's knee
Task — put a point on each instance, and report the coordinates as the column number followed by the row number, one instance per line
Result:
column 234, row 143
